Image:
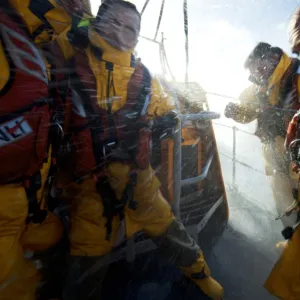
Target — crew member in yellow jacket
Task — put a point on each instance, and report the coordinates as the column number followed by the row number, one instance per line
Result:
column 272, row 101
column 24, row 23
column 284, row 280
column 115, row 100
column 25, row 156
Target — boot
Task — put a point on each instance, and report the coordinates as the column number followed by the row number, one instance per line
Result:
column 178, row 246
column 203, row 279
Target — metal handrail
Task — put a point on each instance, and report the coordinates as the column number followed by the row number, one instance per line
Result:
column 177, row 158
column 202, row 176
column 177, row 172
column 205, row 115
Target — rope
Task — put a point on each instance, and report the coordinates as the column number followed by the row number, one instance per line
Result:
column 162, row 60
column 257, row 102
column 237, row 129
column 222, row 95
column 145, row 6
column 148, row 39
column 186, row 32
column 243, row 164
column 165, row 58
column 159, row 19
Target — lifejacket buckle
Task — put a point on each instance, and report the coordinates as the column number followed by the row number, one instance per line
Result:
column 106, row 148
column 60, row 130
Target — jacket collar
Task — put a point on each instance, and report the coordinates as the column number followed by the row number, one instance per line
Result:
column 275, row 81
column 280, row 70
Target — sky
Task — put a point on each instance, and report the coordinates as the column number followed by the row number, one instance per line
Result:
column 221, row 35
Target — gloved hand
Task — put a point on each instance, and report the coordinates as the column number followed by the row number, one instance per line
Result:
column 165, row 126
column 230, row 109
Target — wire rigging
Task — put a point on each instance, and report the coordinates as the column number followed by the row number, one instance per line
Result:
column 159, row 18
column 145, row 6
column 164, row 59
column 186, row 32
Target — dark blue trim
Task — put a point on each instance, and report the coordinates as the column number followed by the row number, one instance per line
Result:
column 132, row 61
column 40, row 8
column 200, row 275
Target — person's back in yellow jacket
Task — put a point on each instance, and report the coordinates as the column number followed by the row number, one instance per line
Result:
column 115, row 99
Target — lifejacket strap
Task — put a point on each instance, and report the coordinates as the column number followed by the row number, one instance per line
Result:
column 112, row 206
column 32, row 185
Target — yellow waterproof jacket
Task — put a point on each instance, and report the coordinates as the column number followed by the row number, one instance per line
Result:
column 49, row 21
column 15, row 194
column 284, row 280
column 250, row 106
column 4, row 67
column 111, row 87
column 43, row 20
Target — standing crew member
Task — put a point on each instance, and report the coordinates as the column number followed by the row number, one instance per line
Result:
column 115, row 100
column 272, row 100
column 284, row 280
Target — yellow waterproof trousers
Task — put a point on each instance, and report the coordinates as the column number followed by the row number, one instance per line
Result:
column 19, row 276
column 284, row 280
column 281, row 184
column 153, row 216
column 88, row 232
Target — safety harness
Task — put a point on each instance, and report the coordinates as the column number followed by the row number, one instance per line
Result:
column 100, row 136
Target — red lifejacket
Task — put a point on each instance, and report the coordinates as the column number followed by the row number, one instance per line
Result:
column 100, row 136
column 25, row 105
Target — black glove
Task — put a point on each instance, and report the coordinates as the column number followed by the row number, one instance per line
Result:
column 230, row 110
column 165, row 126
